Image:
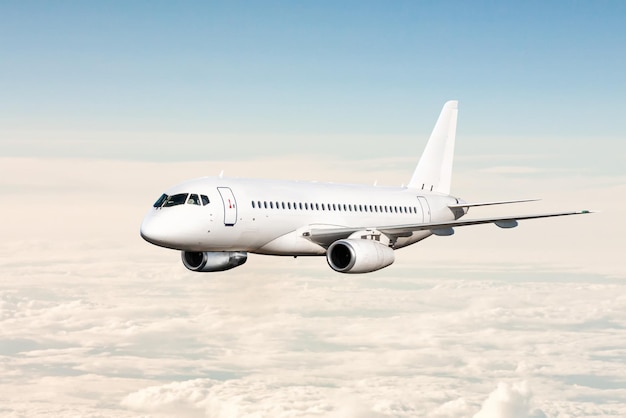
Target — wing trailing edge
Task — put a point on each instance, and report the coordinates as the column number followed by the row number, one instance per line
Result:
column 502, row 222
column 325, row 236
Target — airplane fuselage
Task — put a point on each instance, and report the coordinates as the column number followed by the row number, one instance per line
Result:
column 275, row 217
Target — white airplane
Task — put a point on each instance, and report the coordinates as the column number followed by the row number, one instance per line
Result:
column 217, row 221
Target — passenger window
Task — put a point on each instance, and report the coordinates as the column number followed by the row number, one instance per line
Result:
column 193, row 200
column 253, row 204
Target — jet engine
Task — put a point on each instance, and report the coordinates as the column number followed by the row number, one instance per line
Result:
column 213, row 261
column 358, row 256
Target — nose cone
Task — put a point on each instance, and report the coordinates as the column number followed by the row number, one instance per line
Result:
column 175, row 228
column 152, row 232
column 162, row 229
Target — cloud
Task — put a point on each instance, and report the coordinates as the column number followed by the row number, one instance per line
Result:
column 251, row 397
column 180, row 398
column 509, row 401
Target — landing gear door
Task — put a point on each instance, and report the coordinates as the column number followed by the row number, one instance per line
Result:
column 230, row 206
column 425, row 208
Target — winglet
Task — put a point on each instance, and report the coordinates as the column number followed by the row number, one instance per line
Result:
column 434, row 170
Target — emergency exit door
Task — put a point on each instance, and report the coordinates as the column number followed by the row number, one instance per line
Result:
column 425, row 208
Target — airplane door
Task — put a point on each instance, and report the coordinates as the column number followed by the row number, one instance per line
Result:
column 230, row 205
column 425, row 208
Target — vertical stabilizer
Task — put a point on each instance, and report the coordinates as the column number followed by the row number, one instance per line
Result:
column 434, row 170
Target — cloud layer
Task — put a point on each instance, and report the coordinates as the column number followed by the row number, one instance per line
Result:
column 96, row 322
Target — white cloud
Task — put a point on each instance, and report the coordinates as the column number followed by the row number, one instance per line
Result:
column 509, row 401
column 180, row 398
column 248, row 397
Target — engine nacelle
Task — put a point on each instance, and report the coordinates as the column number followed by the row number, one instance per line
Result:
column 358, row 256
column 213, row 261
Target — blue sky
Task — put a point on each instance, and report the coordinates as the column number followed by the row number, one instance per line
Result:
column 527, row 70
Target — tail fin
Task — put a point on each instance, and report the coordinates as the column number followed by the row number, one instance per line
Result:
column 434, row 170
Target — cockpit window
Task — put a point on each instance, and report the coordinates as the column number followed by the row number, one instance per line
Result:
column 160, row 201
column 166, row 201
column 193, row 200
column 177, row 199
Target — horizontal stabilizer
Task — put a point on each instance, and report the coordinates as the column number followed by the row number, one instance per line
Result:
column 497, row 202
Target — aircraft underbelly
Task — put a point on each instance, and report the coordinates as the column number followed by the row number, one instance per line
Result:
column 292, row 243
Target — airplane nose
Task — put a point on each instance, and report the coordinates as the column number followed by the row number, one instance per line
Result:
column 169, row 229
column 151, row 232
column 148, row 230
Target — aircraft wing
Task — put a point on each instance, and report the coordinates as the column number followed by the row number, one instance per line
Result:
column 325, row 236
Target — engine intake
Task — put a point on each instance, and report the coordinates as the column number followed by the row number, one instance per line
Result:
column 213, row 261
column 358, row 256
